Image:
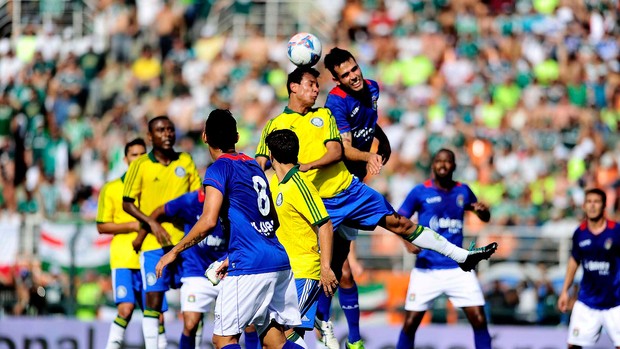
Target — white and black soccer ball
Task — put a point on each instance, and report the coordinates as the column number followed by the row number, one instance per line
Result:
column 304, row 49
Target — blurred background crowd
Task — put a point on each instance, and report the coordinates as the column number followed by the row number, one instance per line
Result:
column 527, row 92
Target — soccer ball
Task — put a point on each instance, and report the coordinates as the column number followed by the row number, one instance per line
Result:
column 304, row 49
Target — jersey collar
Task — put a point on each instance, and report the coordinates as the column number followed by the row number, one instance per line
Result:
column 290, row 174
column 123, row 177
column 288, row 110
column 151, row 156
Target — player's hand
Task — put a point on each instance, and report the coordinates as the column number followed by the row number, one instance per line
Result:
column 374, row 164
column 385, row 151
column 304, row 167
column 328, row 281
column 137, row 244
column 563, row 302
column 164, row 261
column 411, row 248
column 222, row 270
column 479, row 206
column 160, row 233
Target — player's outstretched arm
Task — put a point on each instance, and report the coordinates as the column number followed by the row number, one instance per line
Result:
column 328, row 278
column 571, row 270
column 333, row 155
column 207, row 221
column 118, row 228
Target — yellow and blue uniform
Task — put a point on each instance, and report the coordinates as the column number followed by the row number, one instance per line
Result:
column 314, row 130
column 151, row 184
column 300, row 212
column 124, row 261
column 347, row 200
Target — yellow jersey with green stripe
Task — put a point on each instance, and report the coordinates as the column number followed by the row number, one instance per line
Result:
column 151, row 184
column 110, row 210
column 314, row 130
column 300, row 212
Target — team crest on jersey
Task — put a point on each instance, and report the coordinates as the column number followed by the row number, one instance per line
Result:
column 151, row 279
column 179, row 171
column 279, row 199
column 374, row 102
column 318, row 122
column 191, row 298
column 460, row 200
column 121, row 292
column 608, row 243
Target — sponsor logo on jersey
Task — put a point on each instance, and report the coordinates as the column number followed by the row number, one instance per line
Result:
column 318, row 122
column 433, row 200
column 365, row 134
column 354, row 112
column 601, row 267
column 454, row 226
column 121, row 292
column 585, row 243
column 179, row 171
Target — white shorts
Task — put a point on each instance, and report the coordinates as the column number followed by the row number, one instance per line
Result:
column 586, row 324
column 197, row 293
column 425, row 285
column 256, row 299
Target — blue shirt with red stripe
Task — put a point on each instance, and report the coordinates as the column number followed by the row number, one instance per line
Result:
column 358, row 115
column 444, row 212
column 599, row 255
column 196, row 259
column 248, row 215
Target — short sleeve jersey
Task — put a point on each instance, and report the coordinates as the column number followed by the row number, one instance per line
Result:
column 247, row 214
column 152, row 184
column 188, row 208
column 300, row 212
column 441, row 210
column 599, row 255
column 314, row 130
column 357, row 116
column 110, row 210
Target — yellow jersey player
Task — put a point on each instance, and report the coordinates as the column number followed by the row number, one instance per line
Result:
column 151, row 181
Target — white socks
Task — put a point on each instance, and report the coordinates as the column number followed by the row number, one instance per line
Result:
column 116, row 336
column 150, row 329
column 431, row 240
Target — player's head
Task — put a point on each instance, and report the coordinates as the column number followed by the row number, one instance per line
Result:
column 594, row 204
column 162, row 133
column 344, row 68
column 134, row 150
column 303, row 84
column 444, row 164
column 220, row 130
column 283, row 146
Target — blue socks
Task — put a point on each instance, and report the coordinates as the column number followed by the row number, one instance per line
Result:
column 482, row 338
column 405, row 341
column 187, row 342
column 251, row 340
column 349, row 301
column 323, row 307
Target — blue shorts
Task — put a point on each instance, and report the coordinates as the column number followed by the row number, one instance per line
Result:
column 308, row 291
column 170, row 276
column 359, row 206
column 128, row 288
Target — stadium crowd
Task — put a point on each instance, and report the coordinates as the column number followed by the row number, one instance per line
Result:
column 526, row 92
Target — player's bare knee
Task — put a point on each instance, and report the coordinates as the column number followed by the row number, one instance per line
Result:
column 125, row 311
column 347, row 281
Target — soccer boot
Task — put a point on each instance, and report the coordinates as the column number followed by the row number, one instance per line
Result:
column 477, row 254
column 357, row 345
column 328, row 338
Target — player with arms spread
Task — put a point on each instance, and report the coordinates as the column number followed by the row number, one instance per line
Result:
column 596, row 246
column 259, row 288
column 441, row 203
column 152, row 180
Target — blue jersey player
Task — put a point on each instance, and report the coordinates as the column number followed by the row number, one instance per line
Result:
column 353, row 103
column 596, row 247
column 441, row 203
column 259, row 288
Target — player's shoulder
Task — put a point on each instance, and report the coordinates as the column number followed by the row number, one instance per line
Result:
column 372, row 84
column 337, row 93
column 321, row 112
column 185, row 157
column 112, row 185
